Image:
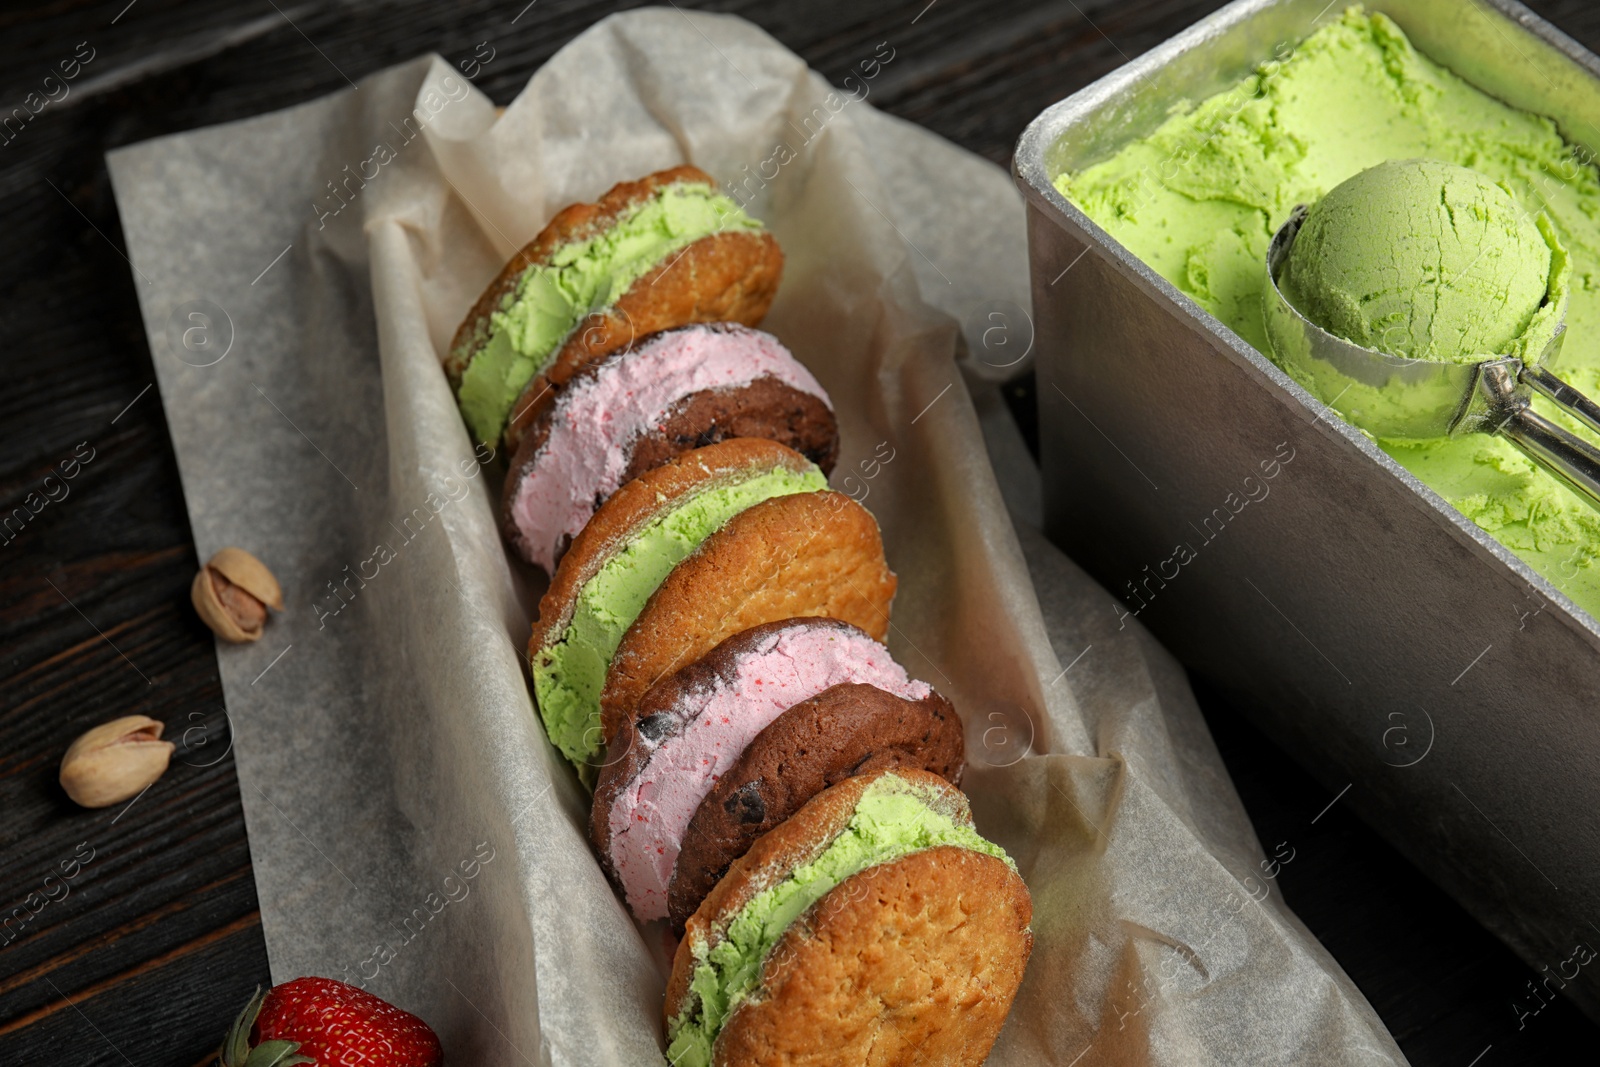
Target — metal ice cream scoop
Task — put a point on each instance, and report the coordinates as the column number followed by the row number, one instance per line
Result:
column 1396, row 397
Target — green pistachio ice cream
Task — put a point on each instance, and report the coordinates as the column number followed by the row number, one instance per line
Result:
column 1421, row 259
column 1200, row 198
column 892, row 819
column 569, row 674
column 550, row 300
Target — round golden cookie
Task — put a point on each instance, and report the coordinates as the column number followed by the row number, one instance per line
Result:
column 908, row 963
column 914, row 961
column 639, row 502
column 785, row 558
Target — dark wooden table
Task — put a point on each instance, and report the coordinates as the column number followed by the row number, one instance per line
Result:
column 157, row 940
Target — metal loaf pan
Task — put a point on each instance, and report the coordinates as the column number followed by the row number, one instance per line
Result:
column 1365, row 624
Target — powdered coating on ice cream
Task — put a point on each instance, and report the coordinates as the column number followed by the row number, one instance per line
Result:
column 652, row 812
column 600, row 417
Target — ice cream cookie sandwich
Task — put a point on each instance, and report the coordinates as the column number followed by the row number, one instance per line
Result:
column 693, row 727
column 798, row 555
column 847, row 729
column 874, row 926
column 632, row 411
column 652, row 254
column 616, row 563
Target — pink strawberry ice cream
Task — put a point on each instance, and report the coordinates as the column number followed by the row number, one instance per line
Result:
column 600, row 416
column 789, row 665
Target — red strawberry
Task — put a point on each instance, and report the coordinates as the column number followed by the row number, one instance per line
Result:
column 329, row 1023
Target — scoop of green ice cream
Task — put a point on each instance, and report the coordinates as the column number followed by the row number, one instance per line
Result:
column 1426, row 260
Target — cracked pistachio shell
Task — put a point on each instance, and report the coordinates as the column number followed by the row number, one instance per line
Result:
column 215, row 614
column 249, row 574
column 115, row 761
column 232, row 593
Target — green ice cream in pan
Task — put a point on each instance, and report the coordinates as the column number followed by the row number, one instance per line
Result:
column 1200, row 198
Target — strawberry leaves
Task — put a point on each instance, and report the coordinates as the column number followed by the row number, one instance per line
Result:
column 236, row 1049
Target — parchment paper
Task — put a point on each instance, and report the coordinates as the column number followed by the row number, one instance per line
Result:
column 411, row 829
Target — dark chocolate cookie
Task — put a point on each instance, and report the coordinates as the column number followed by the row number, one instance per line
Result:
column 843, row 731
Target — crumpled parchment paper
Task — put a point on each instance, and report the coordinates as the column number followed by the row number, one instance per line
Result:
column 300, row 276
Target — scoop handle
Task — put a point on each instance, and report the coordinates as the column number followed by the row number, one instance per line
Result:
column 1500, row 404
column 1563, row 396
column 1570, row 458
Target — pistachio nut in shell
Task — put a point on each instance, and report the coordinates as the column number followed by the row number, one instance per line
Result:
column 232, row 592
column 115, row 761
column 249, row 574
